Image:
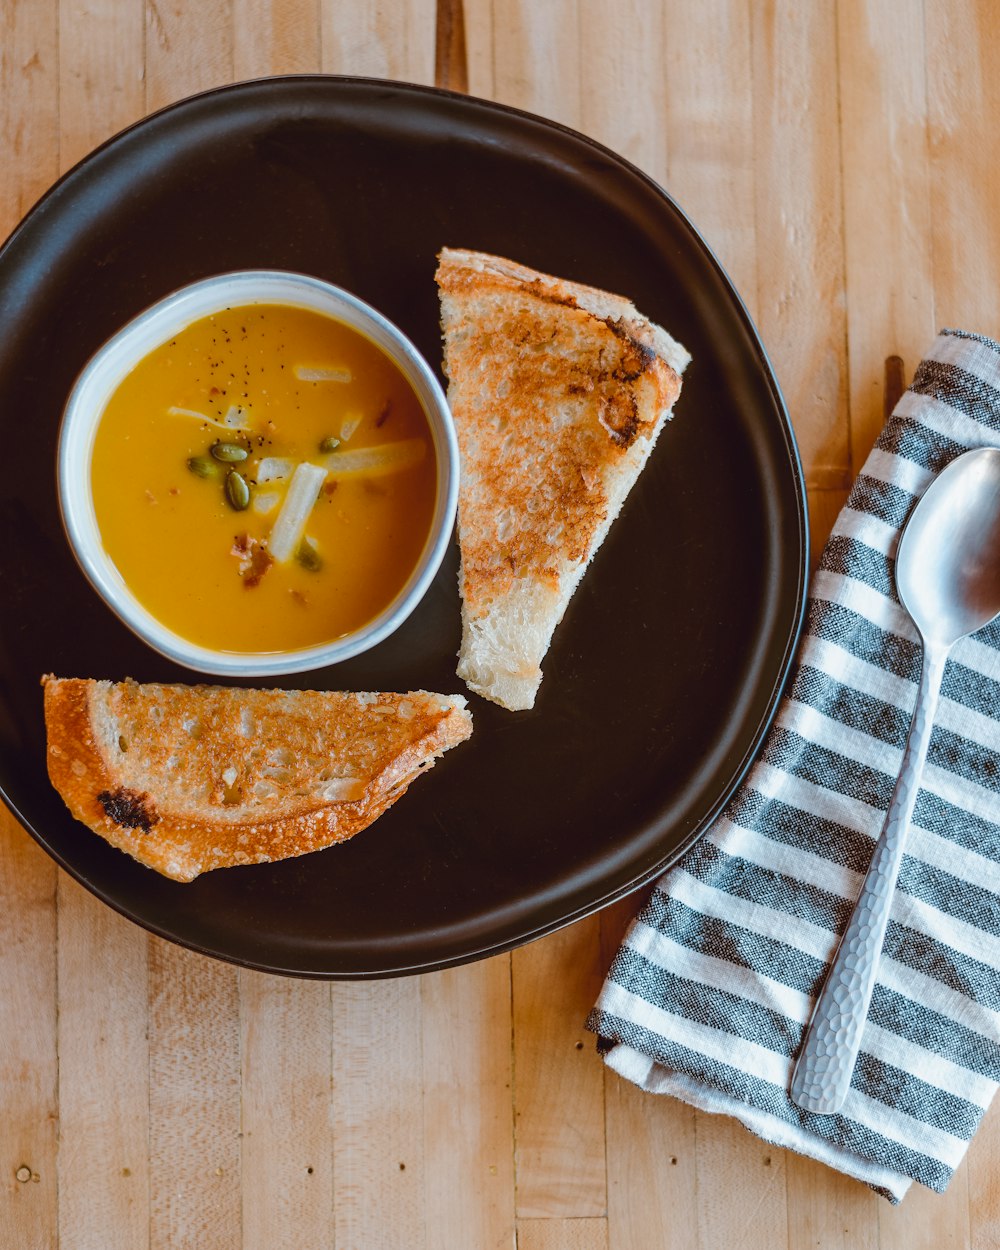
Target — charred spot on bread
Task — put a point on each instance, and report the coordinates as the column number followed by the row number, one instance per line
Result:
column 636, row 356
column 128, row 808
column 543, row 290
column 619, row 415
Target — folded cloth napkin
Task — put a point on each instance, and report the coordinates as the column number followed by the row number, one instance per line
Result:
column 709, row 995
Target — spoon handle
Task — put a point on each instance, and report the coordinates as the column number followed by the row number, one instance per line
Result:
column 822, row 1075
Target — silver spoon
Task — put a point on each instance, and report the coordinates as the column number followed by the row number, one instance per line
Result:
column 948, row 579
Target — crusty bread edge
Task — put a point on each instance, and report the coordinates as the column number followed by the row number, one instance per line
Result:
column 600, row 304
column 167, row 846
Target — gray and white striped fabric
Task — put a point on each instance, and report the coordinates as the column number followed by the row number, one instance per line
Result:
column 709, row 995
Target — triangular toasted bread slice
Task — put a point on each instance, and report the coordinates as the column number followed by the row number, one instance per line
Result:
column 558, row 393
column 189, row 778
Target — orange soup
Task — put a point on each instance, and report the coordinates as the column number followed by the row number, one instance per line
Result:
column 264, row 481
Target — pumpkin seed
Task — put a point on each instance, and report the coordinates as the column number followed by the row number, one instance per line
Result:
column 329, row 444
column 308, row 557
column 201, row 467
column 237, row 491
column 228, row 453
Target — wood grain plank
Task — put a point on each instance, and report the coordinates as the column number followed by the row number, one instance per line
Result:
column 890, row 293
column 741, row 1187
column 829, row 1210
column 378, row 1115
column 824, row 508
column 451, row 65
column 103, row 1076
column 536, row 57
column 194, row 1101
column 799, row 221
column 652, row 1170
column 29, row 109
column 984, row 1182
column 29, row 158
column 468, row 1119
column 380, row 40
column 709, row 127
column 963, row 96
column 286, row 1078
column 478, row 18
column 651, row 1142
column 275, row 37
column 928, row 1221
column 559, row 1083
column 189, row 48
column 562, row 1234
column 625, row 103
column 29, row 1111
column 101, row 70
column 103, row 1017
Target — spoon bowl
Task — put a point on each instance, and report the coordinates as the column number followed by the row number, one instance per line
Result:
column 948, row 579
column 947, row 566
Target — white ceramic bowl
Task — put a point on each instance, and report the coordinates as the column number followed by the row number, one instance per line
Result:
column 155, row 326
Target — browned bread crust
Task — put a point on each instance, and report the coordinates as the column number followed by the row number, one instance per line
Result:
column 558, row 391
column 190, row 778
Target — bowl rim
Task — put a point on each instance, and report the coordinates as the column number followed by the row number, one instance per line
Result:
column 119, row 354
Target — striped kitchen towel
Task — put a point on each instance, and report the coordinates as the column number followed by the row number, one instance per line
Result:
column 709, row 995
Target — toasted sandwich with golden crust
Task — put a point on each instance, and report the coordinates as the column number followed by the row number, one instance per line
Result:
column 189, row 778
column 559, row 392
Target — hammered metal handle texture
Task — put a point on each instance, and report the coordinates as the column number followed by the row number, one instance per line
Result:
column 826, row 1062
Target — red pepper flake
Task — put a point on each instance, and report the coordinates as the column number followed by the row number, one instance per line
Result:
column 383, row 414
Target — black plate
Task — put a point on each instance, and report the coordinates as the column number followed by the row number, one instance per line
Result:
column 665, row 671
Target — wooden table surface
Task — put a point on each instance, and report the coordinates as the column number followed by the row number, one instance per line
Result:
column 842, row 160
